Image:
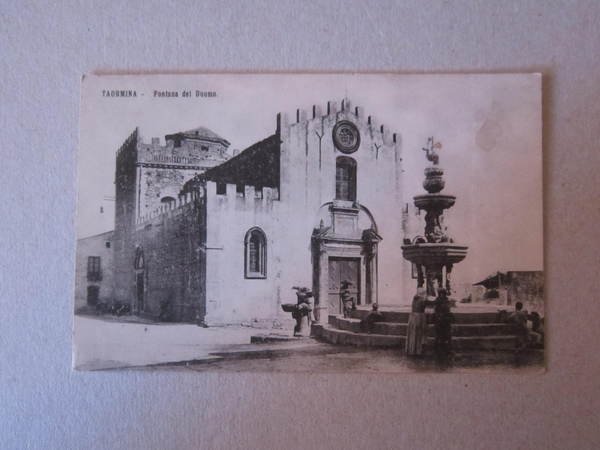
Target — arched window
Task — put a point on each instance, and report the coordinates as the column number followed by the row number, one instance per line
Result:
column 255, row 254
column 345, row 178
column 167, row 199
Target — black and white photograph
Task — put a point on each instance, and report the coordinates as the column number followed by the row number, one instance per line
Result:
column 293, row 222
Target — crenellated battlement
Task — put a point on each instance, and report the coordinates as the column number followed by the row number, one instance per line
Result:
column 179, row 150
column 335, row 109
column 249, row 195
column 156, row 142
column 182, row 203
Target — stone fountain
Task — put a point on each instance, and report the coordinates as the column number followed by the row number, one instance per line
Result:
column 435, row 253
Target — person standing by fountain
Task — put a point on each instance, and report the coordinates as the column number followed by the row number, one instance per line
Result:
column 443, row 319
column 417, row 326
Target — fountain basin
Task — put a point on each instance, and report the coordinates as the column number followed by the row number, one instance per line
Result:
column 432, row 254
column 434, row 201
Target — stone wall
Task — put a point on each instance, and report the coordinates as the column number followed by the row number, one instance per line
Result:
column 100, row 245
column 146, row 173
column 164, row 169
column 230, row 296
column 156, row 183
column 125, row 213
column 171, row 240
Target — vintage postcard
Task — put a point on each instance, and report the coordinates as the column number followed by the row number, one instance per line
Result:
column 310, row 223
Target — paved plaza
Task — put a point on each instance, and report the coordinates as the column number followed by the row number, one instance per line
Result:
column 106, row 343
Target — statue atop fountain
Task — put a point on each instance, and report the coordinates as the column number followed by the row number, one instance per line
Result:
column 434, row 253
column 430, row 152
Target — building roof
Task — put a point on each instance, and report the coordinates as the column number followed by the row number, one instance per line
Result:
column 197, row 133
column 493, row 281
column 258, row 165
column 104, row 235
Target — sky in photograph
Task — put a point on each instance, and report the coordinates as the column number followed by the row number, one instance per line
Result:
column 489, row 127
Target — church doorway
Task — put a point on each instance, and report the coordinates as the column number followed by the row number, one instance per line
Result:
column 343, row 248
column 93, row 294
column 343, row 269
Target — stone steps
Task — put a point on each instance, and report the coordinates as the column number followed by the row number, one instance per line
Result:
column 459, row 317
column 337, row 336
column 342, row 337
column 400, row 329
column 389, row 316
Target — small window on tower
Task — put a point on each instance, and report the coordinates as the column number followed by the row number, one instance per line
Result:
column 107, row 244
column 221, row 188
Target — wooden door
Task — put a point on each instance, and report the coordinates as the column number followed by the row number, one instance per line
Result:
column 93, row 293
column 341, row 269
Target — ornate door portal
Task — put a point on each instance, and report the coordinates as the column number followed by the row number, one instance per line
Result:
column 343, row 269
column 341, row 251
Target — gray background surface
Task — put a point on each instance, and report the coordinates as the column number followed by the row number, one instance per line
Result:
column 44, row 50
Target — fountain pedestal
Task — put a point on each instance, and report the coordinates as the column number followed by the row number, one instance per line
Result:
column 435, row 253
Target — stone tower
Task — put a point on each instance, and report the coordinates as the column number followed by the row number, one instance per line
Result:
column 163, row 170
column 149, row 175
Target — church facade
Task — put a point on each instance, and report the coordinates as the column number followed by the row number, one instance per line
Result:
column 202, row 237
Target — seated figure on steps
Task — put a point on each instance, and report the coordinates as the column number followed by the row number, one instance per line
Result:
column 368, row 323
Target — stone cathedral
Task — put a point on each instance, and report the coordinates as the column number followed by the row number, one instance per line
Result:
column 215, row 239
